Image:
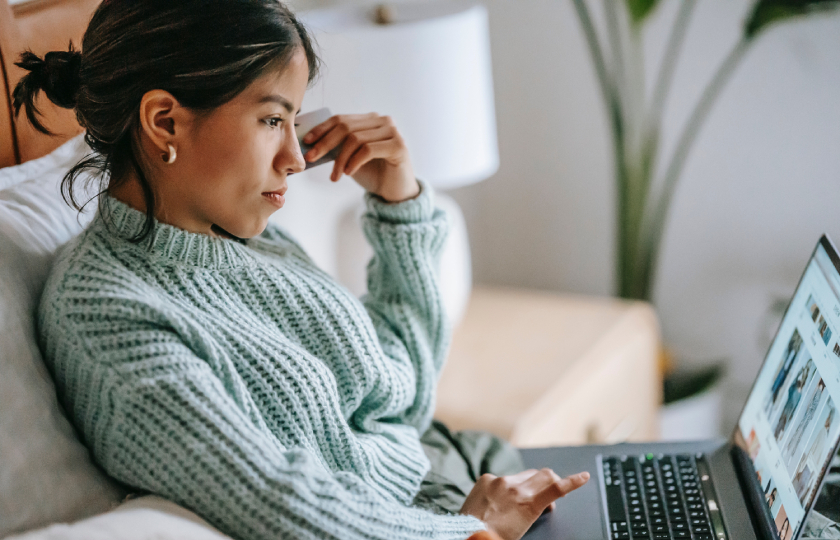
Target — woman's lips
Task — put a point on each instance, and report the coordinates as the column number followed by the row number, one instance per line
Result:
column 275, row 197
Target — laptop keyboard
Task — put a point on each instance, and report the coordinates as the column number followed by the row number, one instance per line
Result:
column 656, row 498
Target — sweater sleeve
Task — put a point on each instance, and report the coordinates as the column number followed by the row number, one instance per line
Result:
column 403, row 297
column 157, row 418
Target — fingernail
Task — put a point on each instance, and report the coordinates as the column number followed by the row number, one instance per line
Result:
column 309, row 155
column 308, row 137
column 584, row 476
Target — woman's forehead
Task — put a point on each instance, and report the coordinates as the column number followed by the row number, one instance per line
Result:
column 290, row 81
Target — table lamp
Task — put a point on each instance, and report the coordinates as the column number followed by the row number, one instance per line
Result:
column 427, row 65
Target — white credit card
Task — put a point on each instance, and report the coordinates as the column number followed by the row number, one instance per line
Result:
column 305, row 123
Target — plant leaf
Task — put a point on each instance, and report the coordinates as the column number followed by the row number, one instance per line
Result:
column 767, row 12
column 639, row 9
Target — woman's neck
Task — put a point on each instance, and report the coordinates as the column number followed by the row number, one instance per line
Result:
column 129, row 192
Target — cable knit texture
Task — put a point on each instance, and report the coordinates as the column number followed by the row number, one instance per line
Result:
column 242, row 382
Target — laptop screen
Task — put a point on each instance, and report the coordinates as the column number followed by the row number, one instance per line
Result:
column 790, row 425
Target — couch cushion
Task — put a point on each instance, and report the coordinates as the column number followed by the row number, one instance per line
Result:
column 46, row 474
column 145, row 518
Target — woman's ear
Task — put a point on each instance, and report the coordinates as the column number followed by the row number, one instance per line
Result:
column 162, row 118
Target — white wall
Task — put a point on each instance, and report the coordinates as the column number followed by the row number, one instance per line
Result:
column 761, row 185
column 762, row 182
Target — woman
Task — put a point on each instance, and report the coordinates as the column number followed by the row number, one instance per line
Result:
column 771, row 498
column 784, row 530
column 812, row 460
column 803, row 424
column 785, row 365
column 794, row 396
column 199, row 351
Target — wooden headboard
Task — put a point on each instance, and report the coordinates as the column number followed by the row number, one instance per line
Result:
column 42, row 26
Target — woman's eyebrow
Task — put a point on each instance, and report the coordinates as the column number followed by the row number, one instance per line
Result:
column 276, row 98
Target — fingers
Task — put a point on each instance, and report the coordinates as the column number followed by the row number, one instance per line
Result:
column 359, row 139
column 362, row 146
column 509, row 505
column 522, row 476
column 547, row 486
column 571, row 483
column 329, row 134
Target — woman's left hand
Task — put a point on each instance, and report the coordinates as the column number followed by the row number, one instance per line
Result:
column 372, row 152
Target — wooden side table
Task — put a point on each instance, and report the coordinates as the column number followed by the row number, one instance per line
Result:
column 545, row 369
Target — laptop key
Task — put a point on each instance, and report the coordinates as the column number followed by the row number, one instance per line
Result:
column 615, row 503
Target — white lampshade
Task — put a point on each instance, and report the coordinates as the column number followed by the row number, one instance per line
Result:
column 430, row 72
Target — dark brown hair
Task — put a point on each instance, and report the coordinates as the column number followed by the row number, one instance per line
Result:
column 203, row 52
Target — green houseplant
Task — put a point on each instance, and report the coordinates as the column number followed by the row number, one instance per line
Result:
column 635, row 119
column 645, row 178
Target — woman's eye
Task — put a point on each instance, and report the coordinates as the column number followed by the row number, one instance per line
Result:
column 274, row 122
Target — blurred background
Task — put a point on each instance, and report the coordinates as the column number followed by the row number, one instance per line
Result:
column 760, row 185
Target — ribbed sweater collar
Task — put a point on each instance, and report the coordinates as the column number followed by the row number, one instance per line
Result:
column 121, row 222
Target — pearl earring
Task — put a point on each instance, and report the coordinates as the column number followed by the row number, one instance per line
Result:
column 170, row 159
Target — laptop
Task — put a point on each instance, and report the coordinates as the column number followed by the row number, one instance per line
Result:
column 759, row 484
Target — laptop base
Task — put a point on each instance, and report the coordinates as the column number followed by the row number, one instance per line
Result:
column 581, row 515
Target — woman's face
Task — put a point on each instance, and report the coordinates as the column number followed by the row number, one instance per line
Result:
column 233, row 163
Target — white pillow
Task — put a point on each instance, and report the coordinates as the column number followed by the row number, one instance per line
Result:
column 46, row 474
column 144, row 518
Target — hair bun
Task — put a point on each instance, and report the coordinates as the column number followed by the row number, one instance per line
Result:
column 61, row 77
column 57, row 75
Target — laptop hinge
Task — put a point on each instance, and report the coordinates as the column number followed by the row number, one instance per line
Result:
column 762, row 519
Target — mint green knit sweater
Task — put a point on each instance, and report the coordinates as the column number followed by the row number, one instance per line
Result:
column 242, row 382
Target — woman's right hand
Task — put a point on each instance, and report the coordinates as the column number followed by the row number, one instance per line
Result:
column 509, row 505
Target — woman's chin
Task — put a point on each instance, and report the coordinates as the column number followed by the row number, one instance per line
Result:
column 258, row 228
column 245, row 230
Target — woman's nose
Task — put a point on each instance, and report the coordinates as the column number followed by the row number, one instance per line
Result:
column 290, row 158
